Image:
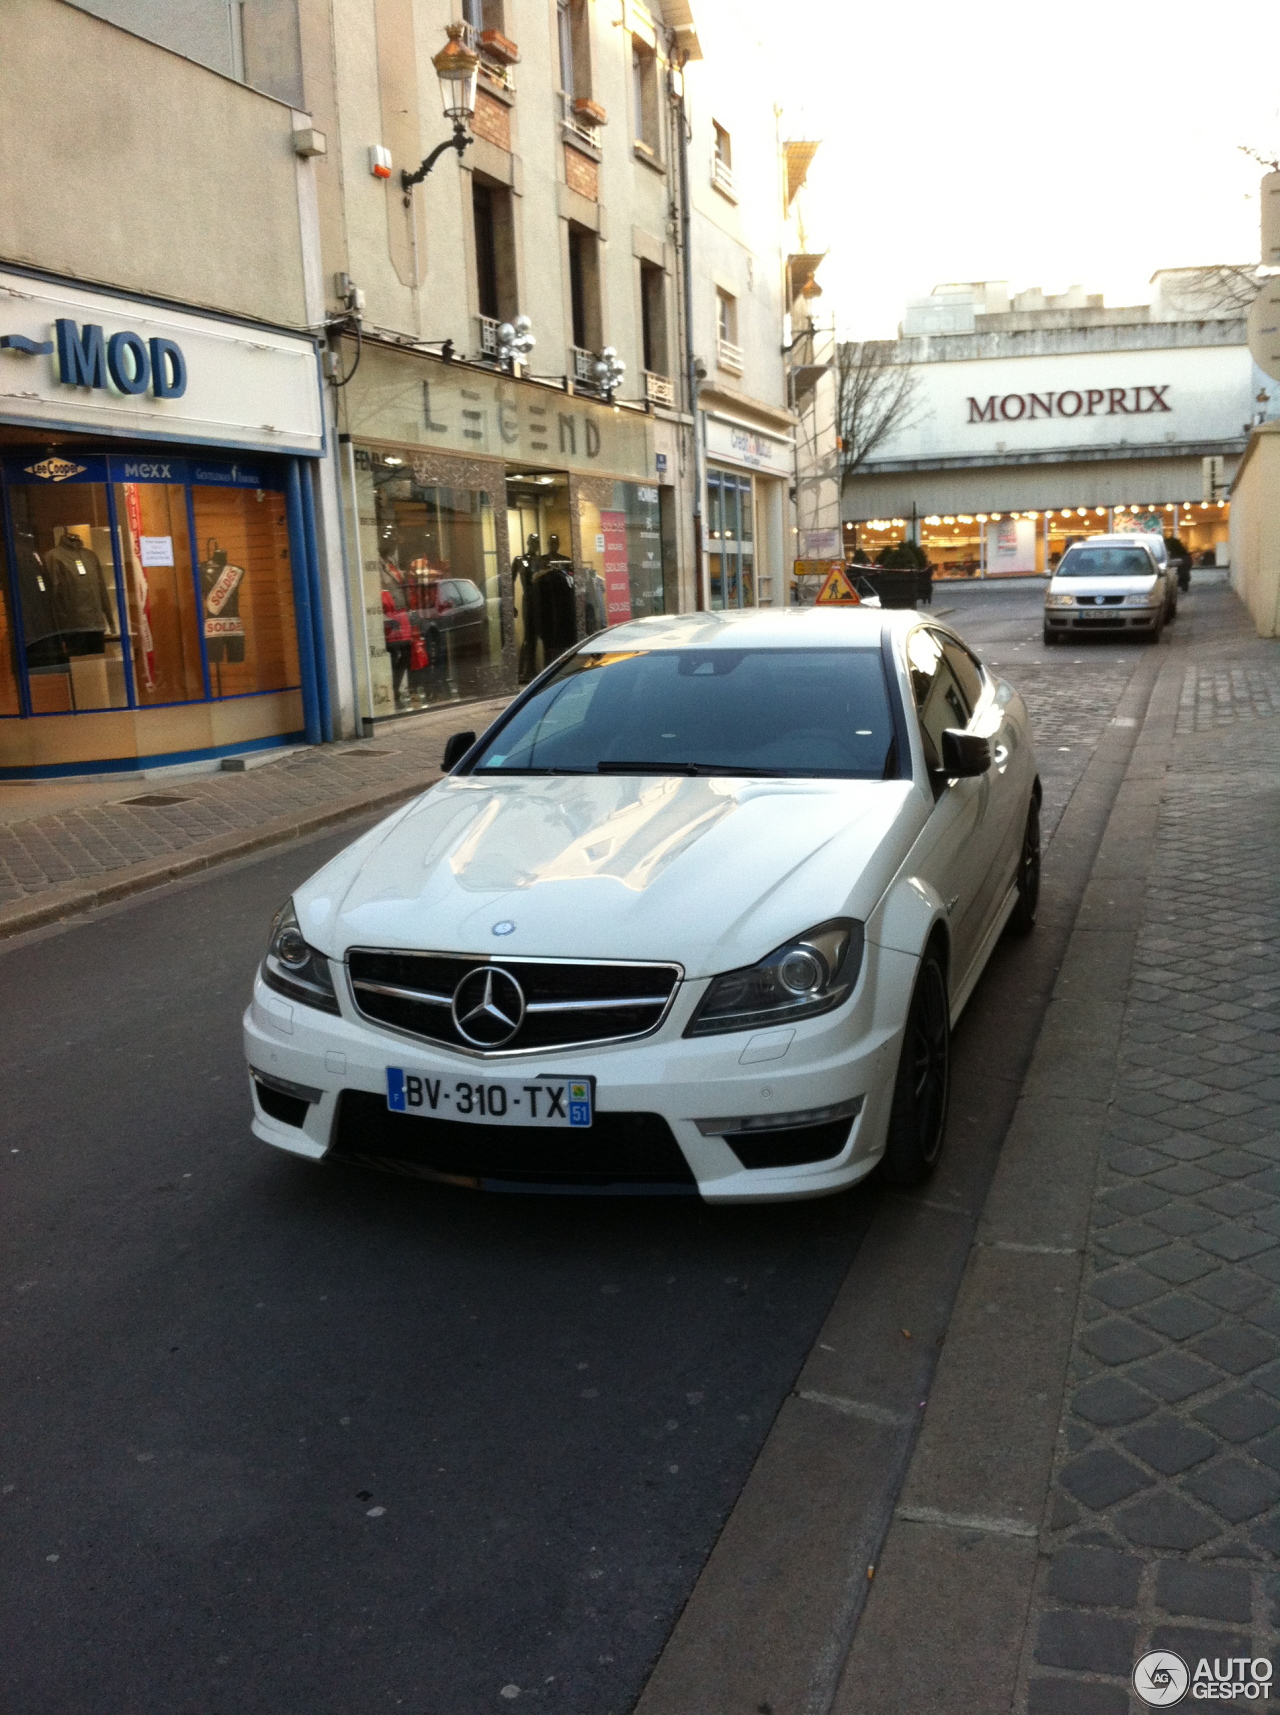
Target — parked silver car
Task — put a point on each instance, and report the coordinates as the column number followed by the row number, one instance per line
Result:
column 1111, row 583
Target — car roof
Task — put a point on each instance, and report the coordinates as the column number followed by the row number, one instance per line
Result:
column 760, row 628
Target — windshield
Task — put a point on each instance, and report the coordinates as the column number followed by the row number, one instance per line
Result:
column 1106, row 563
column 725, row 711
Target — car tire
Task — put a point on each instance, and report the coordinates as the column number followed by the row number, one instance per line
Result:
column 1156, row 632
column 918, row 1117
column 1050, row 638
column 1022, row 919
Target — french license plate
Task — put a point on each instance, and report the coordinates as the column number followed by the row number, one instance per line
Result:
column 493, row 1101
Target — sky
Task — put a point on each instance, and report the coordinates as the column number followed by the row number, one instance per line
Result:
column 1088, row 143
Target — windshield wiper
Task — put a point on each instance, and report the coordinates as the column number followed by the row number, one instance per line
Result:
column 480, row 772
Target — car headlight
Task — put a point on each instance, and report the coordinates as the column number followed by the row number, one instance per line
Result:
column 809, row 975
column 1059, row 601
column 1147, row 598
column 292, row 968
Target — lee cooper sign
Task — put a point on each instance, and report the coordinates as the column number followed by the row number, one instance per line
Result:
column 76, row 359
column 1071, row 402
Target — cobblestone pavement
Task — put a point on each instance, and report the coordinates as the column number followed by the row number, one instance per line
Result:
column 1070, row 695
column 85, row 841
column 1164, row 1519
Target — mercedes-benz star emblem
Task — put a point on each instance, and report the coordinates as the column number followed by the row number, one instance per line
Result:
column 488, row 1007
column 506, row 927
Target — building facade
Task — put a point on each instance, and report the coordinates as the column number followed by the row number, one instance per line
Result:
column 535, row 390
column 1037, row 420
column 620, row 193
column 161, row 412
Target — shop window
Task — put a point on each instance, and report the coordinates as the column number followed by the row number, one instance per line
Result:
column 71, row 638
column 731, row 540
column 432, row 594
column 164, row 622
column 10, row 697
column 246, row 589
column 584, row 288
column 653, row 317
column 645, row 107
column 623, row 552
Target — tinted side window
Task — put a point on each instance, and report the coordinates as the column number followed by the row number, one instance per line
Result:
column 966, row 670
column 940, row 701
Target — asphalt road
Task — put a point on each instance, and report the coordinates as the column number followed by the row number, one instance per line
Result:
column 281, row 1438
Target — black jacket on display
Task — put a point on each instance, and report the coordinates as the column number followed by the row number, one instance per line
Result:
column 80, row 598
column 553, row 608
column 36, row 586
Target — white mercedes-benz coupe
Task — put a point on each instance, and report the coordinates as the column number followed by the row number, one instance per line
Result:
column 697, row 913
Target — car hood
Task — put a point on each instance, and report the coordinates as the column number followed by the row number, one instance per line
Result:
column 710, row 873
column 1103, row 586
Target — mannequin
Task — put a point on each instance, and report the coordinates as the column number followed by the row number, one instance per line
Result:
column 523, row 568
column 220, row 587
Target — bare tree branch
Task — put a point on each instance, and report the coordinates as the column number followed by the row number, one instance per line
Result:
column 876, row 398
column 1210, row 291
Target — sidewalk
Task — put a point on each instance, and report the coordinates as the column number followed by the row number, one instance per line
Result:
column 1098, row 1471
column 92, row 844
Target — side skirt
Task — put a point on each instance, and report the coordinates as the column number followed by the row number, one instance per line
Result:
column 961, row 995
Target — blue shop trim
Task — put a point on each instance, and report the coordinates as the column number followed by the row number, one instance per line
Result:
column 140, row 764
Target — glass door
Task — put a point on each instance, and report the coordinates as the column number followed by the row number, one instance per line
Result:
column 731, row 540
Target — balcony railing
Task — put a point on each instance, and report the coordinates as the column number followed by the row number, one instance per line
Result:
column 722, row 176
column 729, row 356
column 584, row 367
column 658, row 389
column 489, row 326
column 579, row 123
column 497, row 70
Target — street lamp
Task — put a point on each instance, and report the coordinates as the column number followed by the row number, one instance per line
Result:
column 515, row 340
column 609, row 370
column 456, row 67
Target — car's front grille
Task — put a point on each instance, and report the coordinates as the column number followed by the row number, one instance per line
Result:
column 562, row 1002
column 616, row 1149
column 1100, row 600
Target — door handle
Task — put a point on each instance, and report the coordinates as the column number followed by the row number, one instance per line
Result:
column 1000, row 755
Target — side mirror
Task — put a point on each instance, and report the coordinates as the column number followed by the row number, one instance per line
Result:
column 459, row 743
column 964, row 754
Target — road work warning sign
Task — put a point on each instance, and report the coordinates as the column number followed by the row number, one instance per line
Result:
column 838, row 591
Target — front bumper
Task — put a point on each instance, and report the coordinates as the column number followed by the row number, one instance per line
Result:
column 815, row 1063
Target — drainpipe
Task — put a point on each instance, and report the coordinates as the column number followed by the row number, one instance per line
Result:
column 691, row 369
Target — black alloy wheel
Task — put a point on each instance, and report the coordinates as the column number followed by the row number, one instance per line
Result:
column 1022, row 919
column 918, row 1117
